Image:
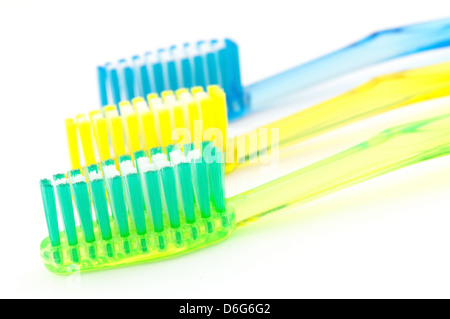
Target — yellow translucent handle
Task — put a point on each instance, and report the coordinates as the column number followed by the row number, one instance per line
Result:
column 376, row 96
column 392, row 149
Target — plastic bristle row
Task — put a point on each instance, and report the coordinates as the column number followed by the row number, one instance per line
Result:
column 204, row 63
column 157, row 205
column 143, row 125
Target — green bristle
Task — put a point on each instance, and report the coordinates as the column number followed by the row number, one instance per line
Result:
column 187, row 191
column 154, row 198
column 156, row 150
column 83, row 204
column 94, row 168
column 48, row 198
column 66, row 206
column 170, row 148
column 170, row 194
column 217, row 180
column 109, row 162
column 97, row 191
column 119, row 209
column 137, row 156
column 187, row 148
column 101, row 207
column 202, row 185
column 137, row 203
column 134, row 195
column 118, row 205
column 204, row 145
column 74, row 172
column 124, row 158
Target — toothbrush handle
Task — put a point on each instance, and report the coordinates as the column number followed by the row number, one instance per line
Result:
column 392, row 149
column 378, row 47
column 375, row 97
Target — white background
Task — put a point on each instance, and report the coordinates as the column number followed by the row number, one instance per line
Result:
column 388, row 237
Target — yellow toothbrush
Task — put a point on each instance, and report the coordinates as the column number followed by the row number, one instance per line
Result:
column 144, row 125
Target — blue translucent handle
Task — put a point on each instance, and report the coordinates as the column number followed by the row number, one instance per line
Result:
column 378, row 47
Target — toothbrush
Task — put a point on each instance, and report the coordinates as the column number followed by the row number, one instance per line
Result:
column 175, row 204
column 217, row 62
column 148, row 125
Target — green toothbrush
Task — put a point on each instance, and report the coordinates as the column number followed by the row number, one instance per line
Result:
column 163, row 205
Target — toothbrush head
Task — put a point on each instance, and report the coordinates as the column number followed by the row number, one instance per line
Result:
column 157, row 206
column 162, row 121
column 204, row 63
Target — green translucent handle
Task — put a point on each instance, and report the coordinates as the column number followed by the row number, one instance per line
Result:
column 392, row 149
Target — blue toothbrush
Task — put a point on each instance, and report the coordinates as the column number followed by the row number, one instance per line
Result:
column 217, row 62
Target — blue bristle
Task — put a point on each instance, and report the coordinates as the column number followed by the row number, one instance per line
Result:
column 102, row 75
column 172, row 69
column 129, row 81
column 115, row 87
column 211, row 60
column 158, row 74
column 230, row 74
column 187, row 68
column 145, row 80
column 199, row 69
column 138, row 89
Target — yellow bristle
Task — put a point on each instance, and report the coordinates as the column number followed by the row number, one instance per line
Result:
column 167, row 96
column 219, row 107
column 132, row 133
column 151, row 96
column 94, row 114
column 149, row 129
column 84, row 127
column 93, row 117
column 179, row 92
column 192, row 110
column 194, row 115
column 117, row 136
column 165, row 127
column 205, row 105
column 178, row 115
column 72, row 142
column 109, row 108
column 139, row 104
column 102, row 135
column 196, row 89
column 125, row 107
